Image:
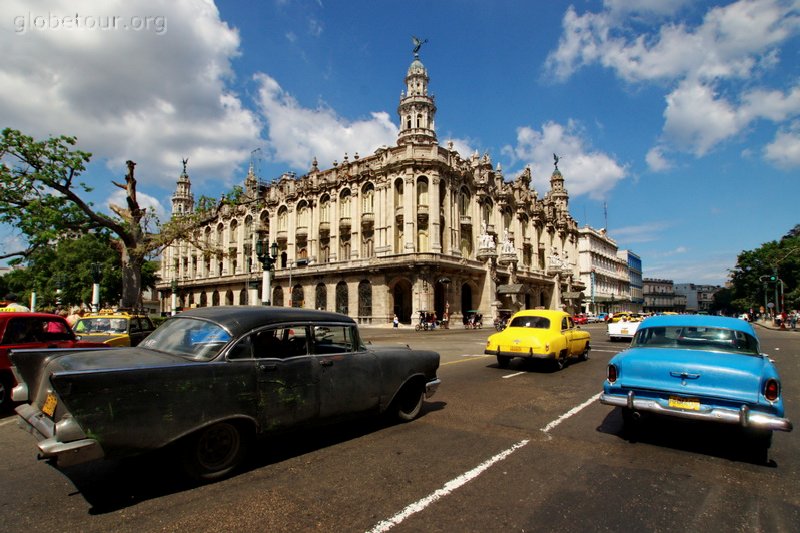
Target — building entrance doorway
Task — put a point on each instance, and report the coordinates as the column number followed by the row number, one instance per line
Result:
column 401, row 294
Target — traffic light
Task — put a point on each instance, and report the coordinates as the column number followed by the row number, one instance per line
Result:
column 773, row 279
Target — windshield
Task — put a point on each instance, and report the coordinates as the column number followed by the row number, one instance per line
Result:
column 538, row 322
column 102, row 325
column 188, row 337
column 696, row 338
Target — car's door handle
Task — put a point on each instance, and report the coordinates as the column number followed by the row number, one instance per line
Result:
column 326, row 362
column 684, row 375
column 267, row 367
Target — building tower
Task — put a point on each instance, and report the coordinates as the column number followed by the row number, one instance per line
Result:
column 416, row 109
column 183, row 199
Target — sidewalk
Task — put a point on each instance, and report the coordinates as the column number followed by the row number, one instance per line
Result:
column 769, row 324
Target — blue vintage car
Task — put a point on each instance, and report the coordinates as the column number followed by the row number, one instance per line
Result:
column 698, row 367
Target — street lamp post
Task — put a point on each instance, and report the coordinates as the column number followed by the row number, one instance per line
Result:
column 97, row 274
column 266, row 255
column 174, row 287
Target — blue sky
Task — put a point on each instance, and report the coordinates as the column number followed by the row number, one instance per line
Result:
column 679, row 119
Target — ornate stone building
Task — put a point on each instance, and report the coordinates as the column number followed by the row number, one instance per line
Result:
column 411, row 227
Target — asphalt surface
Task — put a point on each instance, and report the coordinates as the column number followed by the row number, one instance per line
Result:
column 518, row 449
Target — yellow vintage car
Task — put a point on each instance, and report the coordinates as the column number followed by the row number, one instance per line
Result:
column 540, row 334
column 114, row 328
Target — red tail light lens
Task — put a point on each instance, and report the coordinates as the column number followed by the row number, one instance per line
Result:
column 612, row 373
column 772, row 390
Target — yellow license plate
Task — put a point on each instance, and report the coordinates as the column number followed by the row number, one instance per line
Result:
column 690, row 404
column 49, row 407
column 516, row 348
column 624, row 331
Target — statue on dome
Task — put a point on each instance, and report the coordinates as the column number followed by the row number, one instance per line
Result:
column 417, row 44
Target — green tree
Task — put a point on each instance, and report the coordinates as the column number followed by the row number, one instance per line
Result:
column 40, row 195
column 751, row 285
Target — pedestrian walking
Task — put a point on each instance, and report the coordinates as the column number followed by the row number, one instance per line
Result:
column 395, row 321
column 12, row 305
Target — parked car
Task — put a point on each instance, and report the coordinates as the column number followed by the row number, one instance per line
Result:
column 30, row 330
column 592, row 319
column 580, row 319
column 115, row 328
column 698, row 367
column 209, row 380
column 539, row 334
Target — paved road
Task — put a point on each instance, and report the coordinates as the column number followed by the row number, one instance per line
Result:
column 519, row 449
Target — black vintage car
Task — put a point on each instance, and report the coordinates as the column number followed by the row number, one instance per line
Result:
column 211, row 379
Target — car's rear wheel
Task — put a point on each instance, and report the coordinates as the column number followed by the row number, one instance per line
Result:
column 585, row 354
column 408, row 403
column 503, row 361
column 5, row 392
column 215, row 451
column 560, row 361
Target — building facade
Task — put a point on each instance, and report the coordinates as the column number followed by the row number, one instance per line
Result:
column 634, row 279
column 699, row 298
column 660, row 297
column 604, row 273
column 412, row 227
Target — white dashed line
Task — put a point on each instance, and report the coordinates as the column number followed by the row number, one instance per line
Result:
column 463, row 479
column 512, row 375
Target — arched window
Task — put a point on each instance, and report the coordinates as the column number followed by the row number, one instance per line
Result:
column 277, row 297
column 422, row 191
column 344, row 204
column 215, row 298
column 321, row 297
column 325, row 209
column 368, row 198
column 365, row 299
column 463, row 202
column 229, row 297
column 341, row 298
column 283, row 218
column 298, row 296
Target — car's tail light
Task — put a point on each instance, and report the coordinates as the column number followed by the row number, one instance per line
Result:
column 772, row 390
column 612, row 373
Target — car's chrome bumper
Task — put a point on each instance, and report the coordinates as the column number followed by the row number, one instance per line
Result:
column 431, row 387
column 744, row 416
column 527, row 355
column 47, row 433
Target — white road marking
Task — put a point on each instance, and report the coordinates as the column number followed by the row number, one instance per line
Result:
column 448, row 487
column 466, row 477
column 9, row 421
column 512, row 375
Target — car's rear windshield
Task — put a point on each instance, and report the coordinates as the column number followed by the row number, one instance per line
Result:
column 188, row 337
column 537, row 322
column 696, row 338
column 102, row 325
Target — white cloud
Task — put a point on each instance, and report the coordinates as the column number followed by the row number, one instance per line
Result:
column 733, row 45
column 297, row 134
column 585, row 170
column 656, row 161
column 638, row 234
column 131, row 87
column 784, row 150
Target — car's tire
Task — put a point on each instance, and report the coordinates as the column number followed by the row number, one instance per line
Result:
column 408, row 402
column 759, row 444
column 417, row 327
column 6, row 383
column 215, row 451
column 503, row 361
column 584, row 356
column 560, row 362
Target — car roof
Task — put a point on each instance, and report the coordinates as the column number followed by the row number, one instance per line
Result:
column 239, row 319
column 547, row 313
column 709, row 321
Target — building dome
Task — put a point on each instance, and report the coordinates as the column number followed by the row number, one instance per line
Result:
column 416, row 67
